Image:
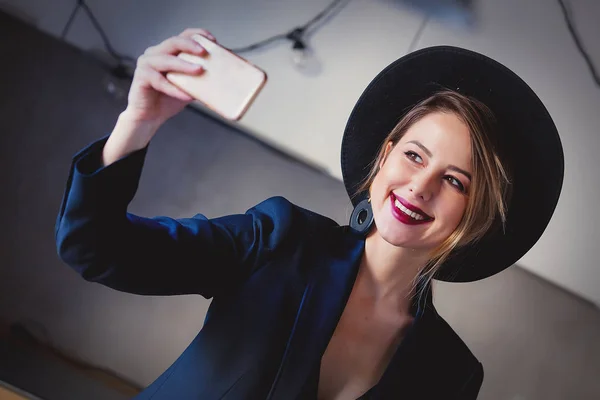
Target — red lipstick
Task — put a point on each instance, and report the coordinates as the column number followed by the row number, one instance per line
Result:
column 403, row 217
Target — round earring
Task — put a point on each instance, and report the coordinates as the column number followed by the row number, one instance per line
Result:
column 361, row 219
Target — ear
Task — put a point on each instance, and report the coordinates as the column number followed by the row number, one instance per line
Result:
column 388, row 148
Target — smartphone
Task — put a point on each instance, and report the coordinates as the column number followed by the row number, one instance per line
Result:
column 228, row 85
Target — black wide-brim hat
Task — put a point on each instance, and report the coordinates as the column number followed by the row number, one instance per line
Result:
column 526, row 132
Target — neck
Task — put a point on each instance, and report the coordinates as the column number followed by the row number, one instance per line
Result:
column 391, row 271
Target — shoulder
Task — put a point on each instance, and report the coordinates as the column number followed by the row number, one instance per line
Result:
column 460, row 350
column 277, row 223
column 279, row 228
column 454, row 354
column 284, row 214
column 462, row 369
column 457, row 343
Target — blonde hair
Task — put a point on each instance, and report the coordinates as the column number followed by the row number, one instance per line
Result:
column 490, row 189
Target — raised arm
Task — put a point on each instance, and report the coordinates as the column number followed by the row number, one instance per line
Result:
column 97, row 237
column 100, row 239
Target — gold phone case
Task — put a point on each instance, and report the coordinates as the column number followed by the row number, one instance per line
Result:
column 229, row 83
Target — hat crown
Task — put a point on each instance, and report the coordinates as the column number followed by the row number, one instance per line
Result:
column 526, row 131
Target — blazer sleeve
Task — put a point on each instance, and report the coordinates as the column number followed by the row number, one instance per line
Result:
column 102, row 241
column 470, row 390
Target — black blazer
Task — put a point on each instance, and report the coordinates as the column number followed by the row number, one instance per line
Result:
column 279, row 276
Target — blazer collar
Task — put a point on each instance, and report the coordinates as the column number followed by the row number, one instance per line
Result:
column 328, row 288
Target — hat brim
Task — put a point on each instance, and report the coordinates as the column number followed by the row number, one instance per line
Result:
column 526, row 131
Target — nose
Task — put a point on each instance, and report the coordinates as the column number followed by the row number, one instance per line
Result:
column 423, row 185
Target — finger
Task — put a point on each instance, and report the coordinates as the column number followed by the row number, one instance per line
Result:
column 161, row 84
column 177, row 44
column 164, row 63
column 188, row 33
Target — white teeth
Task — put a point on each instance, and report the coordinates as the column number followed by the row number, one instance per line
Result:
column 406, row 211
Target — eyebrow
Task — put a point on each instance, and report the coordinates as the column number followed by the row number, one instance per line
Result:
column 452, row 167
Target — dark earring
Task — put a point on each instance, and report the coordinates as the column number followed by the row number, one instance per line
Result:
column 361, row 219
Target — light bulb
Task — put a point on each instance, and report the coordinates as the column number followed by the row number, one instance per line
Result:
column 300, row 54
column 304, row 59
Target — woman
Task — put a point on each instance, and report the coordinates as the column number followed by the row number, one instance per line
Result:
column 454, row 167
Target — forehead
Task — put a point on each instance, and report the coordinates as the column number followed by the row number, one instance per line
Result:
column 445, row 135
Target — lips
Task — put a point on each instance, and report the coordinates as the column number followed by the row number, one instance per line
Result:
column 408, row 213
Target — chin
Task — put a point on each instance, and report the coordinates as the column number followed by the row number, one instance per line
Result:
column 398, row 238
column 399, row 235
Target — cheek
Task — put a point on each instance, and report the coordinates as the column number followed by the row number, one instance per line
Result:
column 388, row 177
column 453, row 213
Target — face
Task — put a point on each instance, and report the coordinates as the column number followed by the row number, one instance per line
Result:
column 421, row 190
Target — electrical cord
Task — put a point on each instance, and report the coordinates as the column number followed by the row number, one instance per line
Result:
column 70, row 21
column 415, row 39
column 122, row 59
column 296, row 35
column 578, row 43
column 322, row 14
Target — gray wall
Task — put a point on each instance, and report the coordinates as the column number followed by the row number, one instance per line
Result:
column 536, row 341
column 305, row 114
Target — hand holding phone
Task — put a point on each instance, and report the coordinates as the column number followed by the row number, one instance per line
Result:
column 228, row 84
column 152, row 99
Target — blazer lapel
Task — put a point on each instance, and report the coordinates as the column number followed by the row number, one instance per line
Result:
column 427, row 363
column 427, row 353
column 333, row 273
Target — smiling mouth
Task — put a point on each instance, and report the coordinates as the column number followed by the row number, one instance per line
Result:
column 404, row 208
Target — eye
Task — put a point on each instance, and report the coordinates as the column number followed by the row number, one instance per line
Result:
column 455, row 182
column 414, row 156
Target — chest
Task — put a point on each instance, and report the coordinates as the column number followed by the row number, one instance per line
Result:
column 362, row 345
